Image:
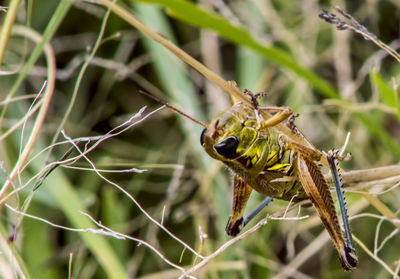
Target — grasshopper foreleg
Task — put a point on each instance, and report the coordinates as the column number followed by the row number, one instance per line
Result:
column 282, row 113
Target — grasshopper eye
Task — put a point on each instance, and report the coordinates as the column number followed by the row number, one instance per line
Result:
column 202, row 136
column 227, row 147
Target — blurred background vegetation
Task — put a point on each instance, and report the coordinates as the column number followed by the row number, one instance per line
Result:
column 338, row 82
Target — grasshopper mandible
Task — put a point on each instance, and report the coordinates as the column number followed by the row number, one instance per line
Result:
column 270, row 162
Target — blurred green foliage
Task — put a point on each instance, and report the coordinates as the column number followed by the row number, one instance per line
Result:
column 338, row 82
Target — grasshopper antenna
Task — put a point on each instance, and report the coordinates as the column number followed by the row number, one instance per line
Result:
column 172, row 107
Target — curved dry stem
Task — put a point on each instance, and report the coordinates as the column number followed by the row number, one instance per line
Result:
column 376, row 258
column 107, row 136
column 119, row 129
column 21, row 121
column 79, row 79
column 50, row 59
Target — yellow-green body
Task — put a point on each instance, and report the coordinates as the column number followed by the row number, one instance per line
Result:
column 268, row 161
column 261, row 158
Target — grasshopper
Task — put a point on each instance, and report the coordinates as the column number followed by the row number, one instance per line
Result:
column 261, row 157
column 270, row 162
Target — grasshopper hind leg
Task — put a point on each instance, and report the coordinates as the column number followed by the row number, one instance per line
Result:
column 351, row 254
column 317, row 189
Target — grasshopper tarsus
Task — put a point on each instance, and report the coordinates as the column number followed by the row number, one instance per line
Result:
column 290, row 123
column 234, row 228
column 350, row 260
column 254, row 97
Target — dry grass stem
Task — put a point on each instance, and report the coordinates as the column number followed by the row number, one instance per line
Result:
column 120, row 188
column 229, row 243
column 97, row 140
column 350, row 23
column 47, row 96
column 376, row 258
column 166, row 195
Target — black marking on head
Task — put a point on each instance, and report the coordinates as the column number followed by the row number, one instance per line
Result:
column 227, row 147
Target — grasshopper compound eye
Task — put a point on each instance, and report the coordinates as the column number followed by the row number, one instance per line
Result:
column 202, row 136
column 227, row 147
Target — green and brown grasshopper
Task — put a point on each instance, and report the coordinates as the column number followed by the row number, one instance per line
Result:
column 303, row 161
column 272, row 163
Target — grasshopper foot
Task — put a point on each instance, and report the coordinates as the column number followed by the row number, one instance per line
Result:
column 234, row 227
column 290, row 123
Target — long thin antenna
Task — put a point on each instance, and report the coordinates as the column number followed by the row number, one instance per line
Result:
column 172, row 107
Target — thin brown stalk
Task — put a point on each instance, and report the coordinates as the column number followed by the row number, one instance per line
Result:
column 8, row 26
column 376, row 258
column 47, row 96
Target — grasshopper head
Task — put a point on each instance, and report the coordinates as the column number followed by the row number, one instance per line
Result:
column 231, row 133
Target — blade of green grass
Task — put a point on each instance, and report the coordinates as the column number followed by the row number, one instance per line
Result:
column 38, row 250
column 250, row 68
column 389, row 96
column 376, row 128
column 196, row 16
column 172, row 72
column 58, row 186
column 51, row 28
column 174, row 79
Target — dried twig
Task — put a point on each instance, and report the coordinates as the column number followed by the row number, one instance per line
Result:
column 83, row 154
column 229, row 243
column 105, row 231
column 98, row 140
